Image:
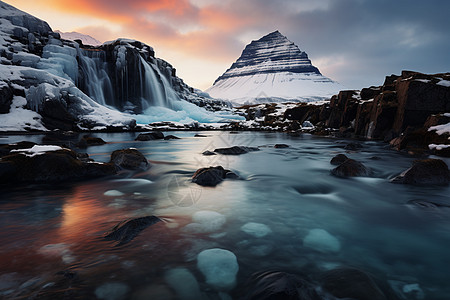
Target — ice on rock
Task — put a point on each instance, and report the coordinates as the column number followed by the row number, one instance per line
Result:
column 321, row 240
column 413, row 291
column 183, row 283
column 219, row 266
column 256, row 229
column 113, row 193
column 205, row 221
column 112, row 291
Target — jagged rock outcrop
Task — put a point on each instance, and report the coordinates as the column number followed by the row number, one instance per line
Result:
column 69, row 84
column 272, row 69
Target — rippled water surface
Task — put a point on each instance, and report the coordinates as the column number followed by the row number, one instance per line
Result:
column 52, row 242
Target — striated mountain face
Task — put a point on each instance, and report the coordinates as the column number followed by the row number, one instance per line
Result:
column 273, row 69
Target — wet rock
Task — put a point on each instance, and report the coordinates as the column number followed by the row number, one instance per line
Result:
column 112, row 291
column 207, row 153
column 322, row 241
column 338, row 159
column 235, row 150
column 87, row 140
column 6, row 148
column 127, row 230
column 155, row 135
column 350, row 168
column 256, row 229
column 281, row 146
column 171, row 137
column 425, row 172
column 130, row 159
column 200, row 135
column 275, row 285
column 211, row 176
column 51, row 166
column 350, row 283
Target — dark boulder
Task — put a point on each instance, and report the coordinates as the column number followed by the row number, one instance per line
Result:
column 275, row 285
column 130, row 159
column 235, row 150
column 149, row 136
column 207, row 153
column 350, row 168
column 350, row 283
column 338, row 159
column 425, row 172
column 127, row 230
column 281, row 146
column 200, row 135
column 51, row 166
column 212, row 176
column 87, row 140
column 171, row 137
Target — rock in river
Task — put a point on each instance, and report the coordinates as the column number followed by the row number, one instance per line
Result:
column 125, row 231
column 212, row 176
column 350, row 168
column 155, row 135
column 426, row 171
column 338, row 159
column 130, row 159
column 235, row 150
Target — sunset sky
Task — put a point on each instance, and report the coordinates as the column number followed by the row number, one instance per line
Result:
column 355, row 42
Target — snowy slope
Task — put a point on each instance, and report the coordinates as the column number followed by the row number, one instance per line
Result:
column 273, row 69
column 85, row 39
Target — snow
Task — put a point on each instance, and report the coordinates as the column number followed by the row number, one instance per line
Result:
column 443, row 82
column 322, row 241
column 274, row 87
column 112, row 291
column 438, row 147
column 205, row 221
column 441, row 129
column 85, row 39
column 256, row 229
column 183, row 283
column 19, row 118
column 219, row 266
column 423, row 80
column 37, row 150
column 113, row 193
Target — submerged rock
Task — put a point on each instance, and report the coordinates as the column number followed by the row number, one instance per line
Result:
column 205, row 221
column 184, row 283
column 350, row 168
column 212, row 176
column 281, row 146
column 235, row 150
column 129, row 159
column 256, row 229
column 338, row 159
column 125, row 231
column 427, row 171
column 350, row 283
column 171, row 137
column 353, row 146
column 219, row 267
column 112, row 291
column 155, row 135
column 322, row 241
column 275, row 285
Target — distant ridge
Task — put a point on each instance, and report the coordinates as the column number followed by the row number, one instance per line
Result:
column 85, row 39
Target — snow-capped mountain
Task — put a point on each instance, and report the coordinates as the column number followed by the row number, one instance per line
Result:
column 84, row 38
column 273, row 69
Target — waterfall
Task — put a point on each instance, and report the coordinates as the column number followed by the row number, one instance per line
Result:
column 154, row 93
column 96, row 81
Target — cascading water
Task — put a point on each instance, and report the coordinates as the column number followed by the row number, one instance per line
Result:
column 96, row 82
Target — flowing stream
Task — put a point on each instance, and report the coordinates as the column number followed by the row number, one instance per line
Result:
column 52, row 235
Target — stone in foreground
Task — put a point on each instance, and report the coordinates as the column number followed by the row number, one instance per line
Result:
column 424, row 172
column 350, row 168
column 212, row 176
column 130, row 159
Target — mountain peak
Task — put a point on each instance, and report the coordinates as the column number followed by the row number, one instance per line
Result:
column 273, row 58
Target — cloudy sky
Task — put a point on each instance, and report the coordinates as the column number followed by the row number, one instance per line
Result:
column 355, row 42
